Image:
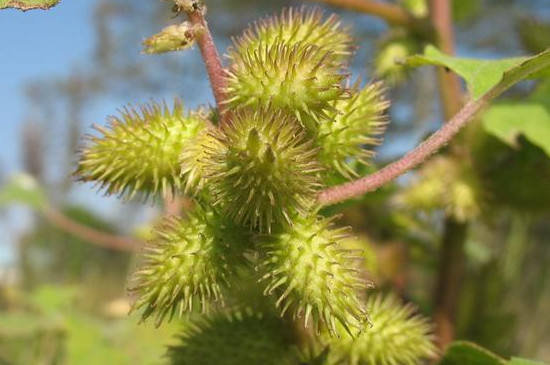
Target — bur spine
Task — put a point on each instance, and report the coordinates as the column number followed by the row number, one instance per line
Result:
column 187, row 265
column 313, row 277
column 354, row 125
column 299, row 25
column 139, row 151
column 397, row 335
column 238, row 337
column 299, row 79
column 267, row 171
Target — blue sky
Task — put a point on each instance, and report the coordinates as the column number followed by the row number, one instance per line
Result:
column 36, row 44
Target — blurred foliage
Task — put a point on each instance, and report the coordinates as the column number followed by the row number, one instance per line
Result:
column 48, row 254
column 48, row 327
column 22, row 189
column 529, row 118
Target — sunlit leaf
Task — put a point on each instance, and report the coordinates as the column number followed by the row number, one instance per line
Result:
column 530, row 118
column 28, row 4
column 480, row 75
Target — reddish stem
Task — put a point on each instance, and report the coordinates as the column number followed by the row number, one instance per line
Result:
column 449, row 84
column 451, row 255
column 89, row 234
column 393, row 14
column 412, row 159
column 212, row 61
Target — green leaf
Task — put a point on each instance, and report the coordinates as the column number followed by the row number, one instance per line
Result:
column 530, row 118
column 518, row 361
column 25, row 5
column 22, row 189
column 480, row 75
column 462, row 353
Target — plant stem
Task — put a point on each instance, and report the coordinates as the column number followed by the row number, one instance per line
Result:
column 89, row 234
column 451, row 255
column 449, row 84
column 212, row 61
column 450, row 271
column 393, row 14
column 412, row 159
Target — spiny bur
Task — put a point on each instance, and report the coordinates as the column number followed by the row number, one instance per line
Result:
column 355, row 123
column 391, row 55
column 266, row 170
column 187, row 264
column 396, row 336
column 235, row 338
column 313, row 277
column 447, row 184
column 139, row 151
column 293, row 26
column 300, row 79
column 194, row 160
column 418, row 8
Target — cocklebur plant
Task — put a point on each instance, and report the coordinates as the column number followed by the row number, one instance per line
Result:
column 288, row 118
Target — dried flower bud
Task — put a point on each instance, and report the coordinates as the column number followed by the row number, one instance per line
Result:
column 171, row 38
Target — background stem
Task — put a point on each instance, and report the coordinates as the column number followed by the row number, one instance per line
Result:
column 393, row 14
column 90, row 234
column 352, row 189
column 452, row 255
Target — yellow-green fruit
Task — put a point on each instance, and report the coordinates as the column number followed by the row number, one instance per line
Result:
column 187, row 264
column 303, row 25
column 391, row 54
column 139, row 152
column 444, row 183
column 300, row 79
column 418, row 8
column 194, row 160
column 397, row 336
column 314, row 279
column 355, row 124
column 238, row 338
column 267, row 170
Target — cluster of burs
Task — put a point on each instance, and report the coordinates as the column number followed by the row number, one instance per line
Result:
column 262, row 276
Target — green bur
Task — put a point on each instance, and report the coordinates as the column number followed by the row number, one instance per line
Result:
column 139, row 152
column 187, row 265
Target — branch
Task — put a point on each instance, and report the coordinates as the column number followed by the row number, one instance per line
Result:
column 89, row 234
column 449, row 84
column 437, row 140
column 212, row 61
column 451, row 256
column 393, row 14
